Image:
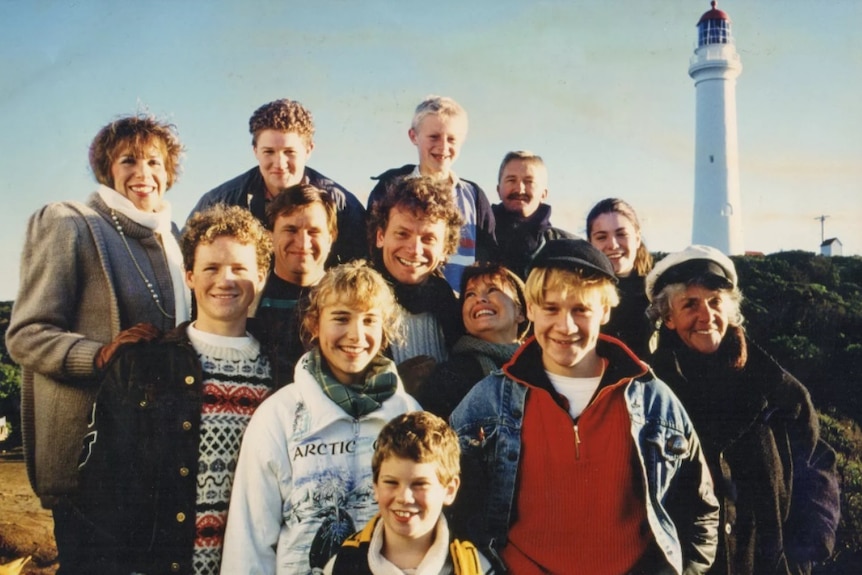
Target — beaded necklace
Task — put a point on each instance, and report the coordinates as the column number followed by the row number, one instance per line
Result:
column 147, row 282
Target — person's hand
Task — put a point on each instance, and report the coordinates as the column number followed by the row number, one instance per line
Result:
column 135, row 334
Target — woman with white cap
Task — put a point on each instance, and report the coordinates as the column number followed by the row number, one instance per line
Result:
column 774, row 477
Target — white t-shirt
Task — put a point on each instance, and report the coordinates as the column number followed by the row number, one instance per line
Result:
column 578, row 390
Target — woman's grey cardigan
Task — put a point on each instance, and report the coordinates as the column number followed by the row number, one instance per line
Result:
column 78, row 289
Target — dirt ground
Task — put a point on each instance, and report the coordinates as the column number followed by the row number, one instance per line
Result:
column 25, row 528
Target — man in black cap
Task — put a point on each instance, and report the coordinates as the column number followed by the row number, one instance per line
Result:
column 575, row 458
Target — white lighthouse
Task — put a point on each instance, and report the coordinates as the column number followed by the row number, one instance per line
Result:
column 714, row 67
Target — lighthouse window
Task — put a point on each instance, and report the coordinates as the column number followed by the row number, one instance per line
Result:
column 713, row 32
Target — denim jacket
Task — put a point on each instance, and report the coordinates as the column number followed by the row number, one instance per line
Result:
column 681, row 507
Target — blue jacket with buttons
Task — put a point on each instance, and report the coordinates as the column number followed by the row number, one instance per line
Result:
column 681, row 507
column 139, row 466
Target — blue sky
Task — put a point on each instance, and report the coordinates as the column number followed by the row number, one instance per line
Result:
column 599, row 88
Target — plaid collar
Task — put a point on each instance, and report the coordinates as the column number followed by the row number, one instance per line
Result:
column 380, row 383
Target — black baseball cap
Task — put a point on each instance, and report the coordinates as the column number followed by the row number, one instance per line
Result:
column 573, row 255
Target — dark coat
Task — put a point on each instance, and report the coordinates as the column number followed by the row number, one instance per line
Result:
column 774, row 477
column 139, row 464
column 520, row 238
column 628, row 322
column 249, row 191
column 470, row 361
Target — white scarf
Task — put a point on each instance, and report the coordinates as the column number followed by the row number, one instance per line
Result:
column 160, row 223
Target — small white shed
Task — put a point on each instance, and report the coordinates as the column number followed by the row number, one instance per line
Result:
column 831, row 247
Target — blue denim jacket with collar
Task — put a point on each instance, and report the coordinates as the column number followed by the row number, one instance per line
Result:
column 681, row 507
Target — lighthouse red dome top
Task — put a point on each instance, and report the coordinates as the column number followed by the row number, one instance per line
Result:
column 714, row 14
column 714, row 28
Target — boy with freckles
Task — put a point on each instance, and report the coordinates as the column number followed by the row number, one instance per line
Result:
column 157, row 465
column 416, row 474
column 631, row 492
column 438, row 130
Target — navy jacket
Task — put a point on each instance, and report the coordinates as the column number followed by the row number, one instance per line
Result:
column 249, row 191
column 520, row 238
column 139, row 463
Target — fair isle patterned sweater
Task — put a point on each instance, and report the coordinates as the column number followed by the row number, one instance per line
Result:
column 236, row 380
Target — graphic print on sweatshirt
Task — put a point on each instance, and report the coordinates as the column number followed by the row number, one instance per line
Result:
column 332, row 494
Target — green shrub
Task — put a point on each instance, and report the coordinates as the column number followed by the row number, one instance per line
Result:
column 845, row 436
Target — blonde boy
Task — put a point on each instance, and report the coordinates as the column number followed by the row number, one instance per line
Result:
column 416, row 473
column 438, row 131
column 631, row 492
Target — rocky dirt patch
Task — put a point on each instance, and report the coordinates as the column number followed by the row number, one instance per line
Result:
column 25, row 528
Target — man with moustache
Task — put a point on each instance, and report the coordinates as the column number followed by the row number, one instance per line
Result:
column 523, row 219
